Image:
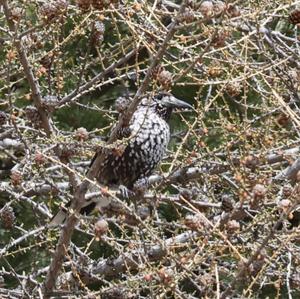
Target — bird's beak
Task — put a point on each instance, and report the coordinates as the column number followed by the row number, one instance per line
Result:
column 173, row 102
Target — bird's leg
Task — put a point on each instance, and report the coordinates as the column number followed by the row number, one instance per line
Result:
column 141, row 186
column 125, row 192
column 138, row 190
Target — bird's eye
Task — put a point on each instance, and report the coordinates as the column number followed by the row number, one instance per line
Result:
column 159, row 96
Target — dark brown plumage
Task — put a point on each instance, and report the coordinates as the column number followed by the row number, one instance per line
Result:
column 147, row 138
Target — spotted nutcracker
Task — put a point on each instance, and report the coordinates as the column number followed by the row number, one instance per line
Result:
column 147, row 137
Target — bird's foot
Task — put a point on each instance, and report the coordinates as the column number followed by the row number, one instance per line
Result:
column 125, row 192
column 141, row 186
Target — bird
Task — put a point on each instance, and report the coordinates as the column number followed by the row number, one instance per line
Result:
column 147, row 137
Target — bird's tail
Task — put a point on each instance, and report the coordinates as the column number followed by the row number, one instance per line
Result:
column 59, row 218
column 88, row 207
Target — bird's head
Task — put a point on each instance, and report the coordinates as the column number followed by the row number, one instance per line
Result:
column 164, row 103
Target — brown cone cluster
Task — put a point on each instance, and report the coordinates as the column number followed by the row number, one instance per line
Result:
column 294, row 17
column 96, row 4
column 53, row 10
column 7, row 217
column 3, row 118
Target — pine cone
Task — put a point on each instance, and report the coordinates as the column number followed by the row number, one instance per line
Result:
column 219, row 8
column 114, row 293
column 188, row 16
column 66, row 151
column 84, row 4
column 16, row 14
column 122, row 103
column 7, row 216
column 207, row 9
column 165, row 79
column 101, row 4
column 33, row 116
column 194, row 222
column 39, row 159
column 227, row 203
column 53, row 10
column 50, row 103
column 81, row 134
column 233, row 226
column 233, row 89
column 233, row 11
column 98, row 4
column 47, row 60
column 3, row 118
column 100, row 228
column 251, row 162
column 149, row 30
column 294, row 17
column 287, row 190
column 220, row 39
column 16, row 177
column 98, row 34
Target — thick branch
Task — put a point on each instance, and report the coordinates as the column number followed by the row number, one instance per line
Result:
column 33, row 82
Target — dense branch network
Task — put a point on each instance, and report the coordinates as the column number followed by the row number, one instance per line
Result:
column 220, row 215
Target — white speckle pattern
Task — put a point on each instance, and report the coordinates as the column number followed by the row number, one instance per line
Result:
column 150, row 135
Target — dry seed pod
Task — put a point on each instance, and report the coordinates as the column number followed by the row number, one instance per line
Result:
column 39, row 159
column 251, row 162
column 285, row 205
column 165, row 78
column 66, row 151
column 84, row 4
column 207, row 9
column 194, row 222
column 166, row 275
column 16, row 13
column 98, row 34
column 188, row 16
column 233, row 226
column 100, row 228
column 33, row 116
column 54, row 9
column 227, row 203
column 81, row 134
column 287, row 190
column 219, row 40
column 233, row 11
column 98, row 4
column 148, row 277
column 218, row 8
column 122, row 103
column 283, row 119
column 257, row 264
column 16, row 177
column 3, row 118
column 214, row 72
column 294, row 17
column 49, row 103
column 7, row 217
column 47, row 60
column 101, row 4
column 233, row 89
column 259, row 191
